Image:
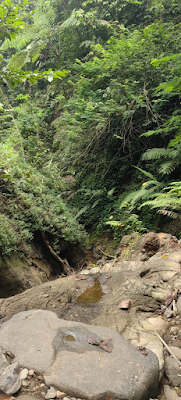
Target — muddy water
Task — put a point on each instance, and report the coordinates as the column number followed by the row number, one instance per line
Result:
column 70, row 338
column 93, row 294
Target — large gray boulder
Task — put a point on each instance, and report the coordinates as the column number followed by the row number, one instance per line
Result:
column 60, row 350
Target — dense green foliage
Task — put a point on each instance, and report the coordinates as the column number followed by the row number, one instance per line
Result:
column 99, row 95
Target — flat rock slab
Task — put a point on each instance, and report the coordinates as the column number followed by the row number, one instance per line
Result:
column 60, row 351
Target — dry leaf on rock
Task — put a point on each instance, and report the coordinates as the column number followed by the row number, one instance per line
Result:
column 103, row 344
column 143, row 350
column 92, row 340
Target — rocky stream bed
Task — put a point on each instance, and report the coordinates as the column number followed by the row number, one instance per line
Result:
column 107, row 332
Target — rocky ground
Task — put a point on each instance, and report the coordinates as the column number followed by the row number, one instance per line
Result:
column 137, row 294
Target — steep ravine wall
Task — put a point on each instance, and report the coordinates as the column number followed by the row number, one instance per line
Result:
column 20, row 272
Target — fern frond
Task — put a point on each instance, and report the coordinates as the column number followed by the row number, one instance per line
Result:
column 134, row 197
column 71, row 21
column 152, row 132
column 18, row 60
column 175, row 188
column 96, row 203
column 31, row 53
column 44, row 18
column 150, row 183
column 146, row 173
column 174, row 153
column 35, row 49
column 98, row 192
column 155, row 154
column 20, row 40
column 167, row 167
column 170, row 202
column 168, row 213
column 167, row 202
column 127, row 199
column 81, row 211
column 42, row 26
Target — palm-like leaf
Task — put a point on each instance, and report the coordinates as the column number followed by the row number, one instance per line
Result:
column 32, row 41
column 168, row 203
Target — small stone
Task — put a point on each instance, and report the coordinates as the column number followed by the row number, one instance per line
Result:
column 51, row 393
column 60, row 395
column 31, row 372
column 37, row 387
column 10, row 381
column 34, row 389
column 40, row 377
column 66, row 398
column 43, row 394
column 24, row 374
column 174, row 330
column 25, row 383
column 172, row 371
column 176, row 351
column 170, row 394
column 169, row 313
column 42, row 385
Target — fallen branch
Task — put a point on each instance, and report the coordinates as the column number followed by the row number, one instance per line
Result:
column 107, row 255
column 64, row 262
column 168, row 348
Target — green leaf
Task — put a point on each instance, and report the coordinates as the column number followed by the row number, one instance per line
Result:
column 146, row 173
column 110, row 193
